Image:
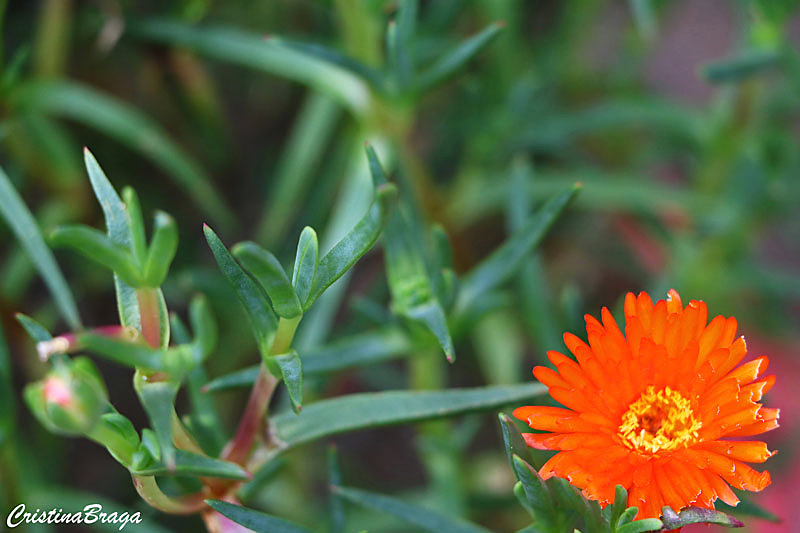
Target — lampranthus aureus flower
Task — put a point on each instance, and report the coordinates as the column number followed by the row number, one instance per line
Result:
column 658, row 409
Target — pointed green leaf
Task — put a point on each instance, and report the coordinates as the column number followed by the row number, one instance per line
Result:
column 357, row 411
column 432, row 316
column 22, row 223
column 124, row 352
column 35, row 330
column 619, row 505
column 138, row 235
column 97, row 246
column 119, row 231
column 262, row 319
column 452, row 61
column 255, row 520
column 271, row 55
column 696, row 515
column 188, row 463
column 427, row 519
column 512, row 438
column 640, row 526
column 131, row 127
column 158, row 400
column 305, row 263
column 536, row 492
column 204, row 327
column 504, row 261
column 162, row 249
column 627, row 516
column 355, row 244
column 292, row 374
column 267, row 270
column 742, row 67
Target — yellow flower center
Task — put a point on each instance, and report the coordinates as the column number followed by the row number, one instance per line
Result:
column 659, row 421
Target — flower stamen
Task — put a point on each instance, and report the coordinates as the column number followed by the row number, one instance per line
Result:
column 659, row 421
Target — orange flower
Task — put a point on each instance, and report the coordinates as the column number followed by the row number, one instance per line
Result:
column 654, row 409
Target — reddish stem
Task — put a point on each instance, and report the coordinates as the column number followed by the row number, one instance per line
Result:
column 239, row 448
column 149, row 312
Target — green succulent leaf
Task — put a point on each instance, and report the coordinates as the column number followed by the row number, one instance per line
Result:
column 291, row 369
column 306, row 261
column 204, row 327
column 355, row 244
column 133, row 354
column 267, row 270
column 98, row 246
column 35, row 330
column 427, row 519
column 21, row 221
column 158, row 400
column 189, row 463
column 356, row 411
column 640, row 526
column 452, row 61
column 262, row 319
column 255, row 520
column 536, row 492
column 162, row 250
column 504, row 261
column 136, row 220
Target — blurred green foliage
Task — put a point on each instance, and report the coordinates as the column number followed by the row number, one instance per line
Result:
column 252, row 116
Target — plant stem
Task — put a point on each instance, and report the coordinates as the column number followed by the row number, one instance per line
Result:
column 148, row 489
column 182, row 438
column 284, row 335
column 121, row 449
column 149, row 311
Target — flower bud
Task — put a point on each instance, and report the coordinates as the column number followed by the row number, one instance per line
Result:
column 71, row 398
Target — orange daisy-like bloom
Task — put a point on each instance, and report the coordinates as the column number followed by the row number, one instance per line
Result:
column 654, row 409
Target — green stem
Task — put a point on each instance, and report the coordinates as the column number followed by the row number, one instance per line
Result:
column 285, row 335
column 182, row 438
column 121, row 449
column 148, row 489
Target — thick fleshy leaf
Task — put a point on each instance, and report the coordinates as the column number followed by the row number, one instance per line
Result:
column 536, row 492
column 618, row 507
column 124, row 352
column 21, row 221
column 131, row 127
column 255, row 302
column 742, row 67
column 270, row 55
column 305, row 263
column 640, row 526
column 696, row 515
column 422, row 517
column 119, row 231
column 255, row 520
column 292, row 375
column 267, row 270
column 136, row 221
column 35, row 330
column 189, row 463
column 512, row 438
column 432, row 316
column 367, row 410
column 504, row 261
column 452, row 61
column 355, row 244
column 98, row 246
column 158, row 400
column 162, row 249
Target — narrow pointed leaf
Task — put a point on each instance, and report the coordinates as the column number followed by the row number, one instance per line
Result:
column 255, row 520
column 267, row 270
column 504, row 261
column 355, row 244
column 422, row 517
column 432, row 316
column 34, row 329
column 97, row 246
column 619, row 505
column 452, row 61
column 26, row 230
column 158, row 400
column 162, row 249
column 627, row 516
column 124, row 352
column 305, row 263
column 367, row 410
column 742, row 67
column 204, row 327
column 189, row 463
column 137, row 230
column 131, row 127
column 536, row 492
column 696, row 515
column 270, row 55
column 292, row 375
column 640, row 526
column 262, row 319
column 512, row 438
column 119, row 231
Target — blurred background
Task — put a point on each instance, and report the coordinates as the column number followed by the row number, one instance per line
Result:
column 681, row 118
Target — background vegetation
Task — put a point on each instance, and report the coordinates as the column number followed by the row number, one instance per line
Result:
column 680, row 118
